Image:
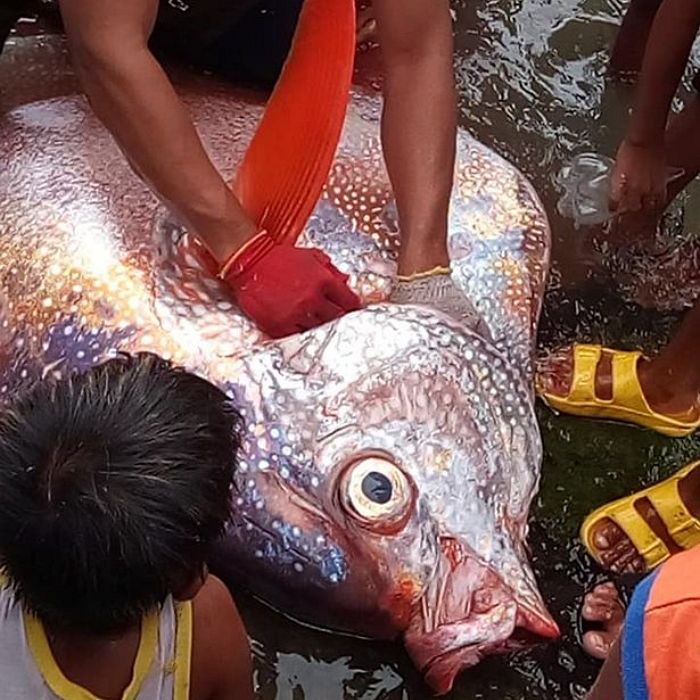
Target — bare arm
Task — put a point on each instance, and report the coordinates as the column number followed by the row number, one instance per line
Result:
column 419, row 126
column 221, row 659
column 134, row 98
column 639, row 180
column 668, row 49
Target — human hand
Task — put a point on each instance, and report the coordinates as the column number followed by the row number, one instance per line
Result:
column 639, row 179
column 285, row 289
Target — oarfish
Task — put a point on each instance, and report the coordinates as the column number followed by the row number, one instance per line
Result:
column 390, row 458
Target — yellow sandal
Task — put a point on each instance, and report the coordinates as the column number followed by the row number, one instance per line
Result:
column 683, row 528
column 627, row 403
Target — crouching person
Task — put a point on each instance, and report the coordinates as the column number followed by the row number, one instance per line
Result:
column 114, row 485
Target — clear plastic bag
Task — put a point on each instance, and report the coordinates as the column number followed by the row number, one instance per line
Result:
column 585, row 187
column 585, row 184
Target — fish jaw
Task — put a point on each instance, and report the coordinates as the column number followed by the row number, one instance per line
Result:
column 467, row 614
column 452, row 648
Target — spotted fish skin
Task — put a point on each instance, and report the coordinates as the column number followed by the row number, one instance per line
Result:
column 390, row 458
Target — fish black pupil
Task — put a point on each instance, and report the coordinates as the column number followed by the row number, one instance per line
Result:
column 377, row 488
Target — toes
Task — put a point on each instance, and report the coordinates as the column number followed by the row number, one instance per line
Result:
column 603, row 604
column 608, row 534
column 623, row 559
column 617, row 618
column 603, row 594
column 604, row 607
column 597, row 644
column 597, row 613
column 615, row 550
column 618, row 555
column 601, row 539
column 554, row 375
column 636, row 565
column 598, row 610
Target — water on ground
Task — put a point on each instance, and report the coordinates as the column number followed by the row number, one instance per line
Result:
column 533, row 86
column 532, row 78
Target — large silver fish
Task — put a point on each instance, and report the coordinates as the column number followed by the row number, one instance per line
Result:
column 390, row 458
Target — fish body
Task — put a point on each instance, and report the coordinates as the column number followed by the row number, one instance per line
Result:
column 389, row 458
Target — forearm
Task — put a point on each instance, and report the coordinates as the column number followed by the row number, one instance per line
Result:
column 670, row 42
column 132, row 95
column 419, row 122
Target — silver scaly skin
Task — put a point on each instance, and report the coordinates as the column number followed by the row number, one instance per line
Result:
column 390, row 458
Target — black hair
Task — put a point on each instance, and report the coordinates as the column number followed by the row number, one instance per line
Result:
column 114, row 484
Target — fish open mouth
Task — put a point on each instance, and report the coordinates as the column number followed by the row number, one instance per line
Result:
column 475, row 614
column 444, row 653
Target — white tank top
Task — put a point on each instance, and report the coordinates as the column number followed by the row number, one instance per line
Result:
column 28, row 670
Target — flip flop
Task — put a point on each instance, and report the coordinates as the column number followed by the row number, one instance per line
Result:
column 627, row 403
column 683, row 528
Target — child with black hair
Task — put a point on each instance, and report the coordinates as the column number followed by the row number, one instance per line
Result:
column 114, row 485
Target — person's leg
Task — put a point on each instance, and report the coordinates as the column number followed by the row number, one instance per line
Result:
column 628, row 50
column 672, row 379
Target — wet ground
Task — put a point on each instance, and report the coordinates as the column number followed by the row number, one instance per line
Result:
column 533, row 86
column 532, row 83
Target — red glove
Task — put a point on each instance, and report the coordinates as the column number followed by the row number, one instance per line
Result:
column 286, row 289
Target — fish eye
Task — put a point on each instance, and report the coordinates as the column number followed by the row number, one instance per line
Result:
column 376, row 492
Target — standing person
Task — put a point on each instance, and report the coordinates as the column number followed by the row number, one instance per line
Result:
column 133, row 96
column 663, row 392
column 649, row 650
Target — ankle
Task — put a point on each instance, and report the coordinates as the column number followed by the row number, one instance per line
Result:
column 664, row 383
column 415, row 258
column 689, row 490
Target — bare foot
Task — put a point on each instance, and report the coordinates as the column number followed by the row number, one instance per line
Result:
column 616, row 550
column 603, row 608
column 667, row 392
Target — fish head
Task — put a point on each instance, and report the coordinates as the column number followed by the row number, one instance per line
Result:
column 400, row 508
